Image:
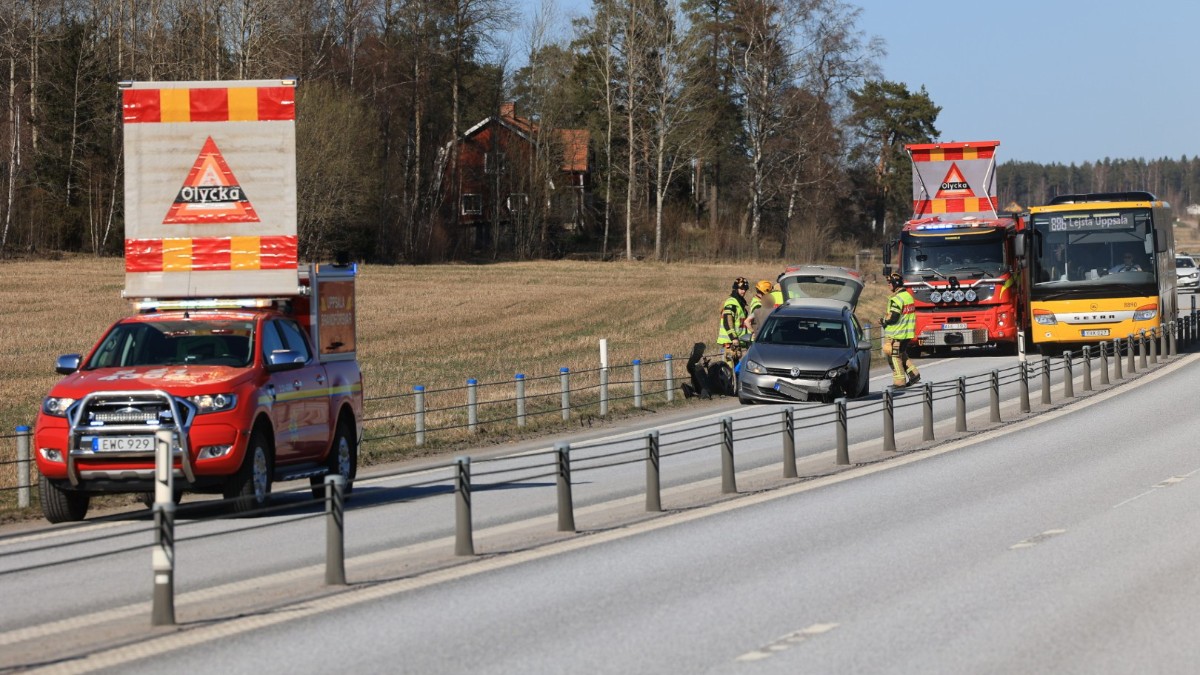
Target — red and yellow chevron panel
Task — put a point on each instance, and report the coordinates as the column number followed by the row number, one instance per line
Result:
column 210, row 254
column 945, row 152
column 963, row 205
column 218, row 104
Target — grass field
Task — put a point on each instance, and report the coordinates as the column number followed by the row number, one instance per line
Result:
column 434, row 326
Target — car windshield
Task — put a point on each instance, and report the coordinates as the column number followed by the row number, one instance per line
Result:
column 1185, row 262
column 176, row 342
column 803, row 332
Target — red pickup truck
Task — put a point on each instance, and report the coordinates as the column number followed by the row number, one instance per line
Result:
column 253, row 396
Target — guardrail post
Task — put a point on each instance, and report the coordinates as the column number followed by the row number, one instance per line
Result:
column 927, row 413
column 464, row 530
column 728, row 479
column 889, row 422
column 520, row 378
column 472, row 405
column 1068, row 375
column 637, row 384
column 653, row 483
column 419, row 421
column 995, row 396
column 960, row 405
column 789, row 442
column 1162, row 340
column 1046, row 380
column 1116, row 348
column 1103, row 363
column 1143, row 348
column 1131, row 343
column 1172, row 349
column 23, row 466
column 1155, row 338
column 335, row 530
column 668, row 364
column 162, row 610
column 843, row 448
column 564, row 377
column 1087, row 368
column 604, row 392
column 1025, row 407
column 566, row 508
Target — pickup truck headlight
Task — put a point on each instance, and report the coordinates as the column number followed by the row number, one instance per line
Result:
column 56, row 406
column 210, row 403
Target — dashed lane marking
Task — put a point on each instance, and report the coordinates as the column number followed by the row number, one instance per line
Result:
column 787, row 642
column 1035, row 540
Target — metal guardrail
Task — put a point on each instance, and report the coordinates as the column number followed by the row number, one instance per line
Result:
column 463, row 476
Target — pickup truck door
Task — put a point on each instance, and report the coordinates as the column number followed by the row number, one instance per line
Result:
column 310, row 407
column 279, row 395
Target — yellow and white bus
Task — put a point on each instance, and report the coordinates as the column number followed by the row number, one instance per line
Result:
column 1101, row 266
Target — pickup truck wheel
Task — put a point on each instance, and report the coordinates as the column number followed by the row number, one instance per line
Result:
column 62, row 506
column 250, row 487
column 343, row 460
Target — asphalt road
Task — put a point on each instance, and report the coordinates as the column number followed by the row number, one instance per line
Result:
column 73, row 586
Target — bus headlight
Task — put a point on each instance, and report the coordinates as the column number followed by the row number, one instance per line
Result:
column 1145, row 312
column 1044, row 318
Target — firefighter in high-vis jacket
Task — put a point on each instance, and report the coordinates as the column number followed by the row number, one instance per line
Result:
column 755, row 313
column 899, row 329
column 733, row 332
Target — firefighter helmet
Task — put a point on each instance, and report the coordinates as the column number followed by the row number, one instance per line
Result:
column 895, row 280
column 740, row 284
column 763, row 286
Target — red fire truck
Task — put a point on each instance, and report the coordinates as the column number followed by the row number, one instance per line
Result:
column 956, row 253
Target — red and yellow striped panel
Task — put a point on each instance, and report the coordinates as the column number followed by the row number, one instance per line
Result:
column 221, row 104
column 953, row 151
column 963, row 205
column 210, row 254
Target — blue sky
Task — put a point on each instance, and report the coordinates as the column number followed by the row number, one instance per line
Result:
column 1064, row 81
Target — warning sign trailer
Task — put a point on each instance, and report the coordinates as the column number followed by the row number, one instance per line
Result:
column 956, row 252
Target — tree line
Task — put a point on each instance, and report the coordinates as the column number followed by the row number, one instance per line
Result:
column 718, row 128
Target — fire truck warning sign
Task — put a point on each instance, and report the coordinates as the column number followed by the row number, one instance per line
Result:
column 211, row 193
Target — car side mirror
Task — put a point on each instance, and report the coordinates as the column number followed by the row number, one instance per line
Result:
column 284, row 359
column 67, row 364
column 864, row 345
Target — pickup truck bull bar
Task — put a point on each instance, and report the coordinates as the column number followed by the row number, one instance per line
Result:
column 128, row 413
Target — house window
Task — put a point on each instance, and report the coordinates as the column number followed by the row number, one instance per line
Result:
column 494, row 162
column 517, row 202
column 472, row 204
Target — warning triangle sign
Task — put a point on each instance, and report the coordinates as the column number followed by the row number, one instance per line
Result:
column 954, row 185
column 210, row 193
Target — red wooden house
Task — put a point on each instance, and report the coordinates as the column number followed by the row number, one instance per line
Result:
column 493, row 181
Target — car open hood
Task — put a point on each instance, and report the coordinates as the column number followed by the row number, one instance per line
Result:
column 800, row 357
column 822, row 282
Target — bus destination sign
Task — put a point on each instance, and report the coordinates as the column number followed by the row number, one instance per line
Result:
column 1087, row 222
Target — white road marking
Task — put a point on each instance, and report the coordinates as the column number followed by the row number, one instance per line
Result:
column 1166, row 483
column 787, row 642
column 1035, row 540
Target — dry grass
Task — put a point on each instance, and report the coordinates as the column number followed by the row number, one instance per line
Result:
column 434, row 326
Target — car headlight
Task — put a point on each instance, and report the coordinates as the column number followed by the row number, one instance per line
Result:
column 838, row 372
column 755, row 367
column 210, row 403
column 56, row 406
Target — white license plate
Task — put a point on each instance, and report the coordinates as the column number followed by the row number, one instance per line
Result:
column 1098, row 332
column 954, row 326
column 122, row 444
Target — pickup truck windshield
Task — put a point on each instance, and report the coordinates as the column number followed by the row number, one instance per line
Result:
column 176, row 343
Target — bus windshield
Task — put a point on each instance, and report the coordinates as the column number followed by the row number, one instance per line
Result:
column 1087, row 250
column 967, row 257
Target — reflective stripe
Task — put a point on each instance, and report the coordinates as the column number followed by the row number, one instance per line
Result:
column 733, row 307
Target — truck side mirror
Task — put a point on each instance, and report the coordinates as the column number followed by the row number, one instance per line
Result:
column 1019, row 245
column 67, row 364
column 284, row 359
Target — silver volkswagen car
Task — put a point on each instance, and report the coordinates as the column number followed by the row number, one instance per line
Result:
column 812, row 347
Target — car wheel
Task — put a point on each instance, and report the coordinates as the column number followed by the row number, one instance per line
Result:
column 250, row 487
column 343, row 461
column 62, row 506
